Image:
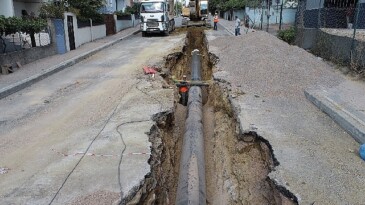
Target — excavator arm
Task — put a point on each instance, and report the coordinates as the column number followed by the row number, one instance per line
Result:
column 195, row 13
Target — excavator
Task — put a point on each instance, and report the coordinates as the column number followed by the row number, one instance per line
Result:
column 196, row 13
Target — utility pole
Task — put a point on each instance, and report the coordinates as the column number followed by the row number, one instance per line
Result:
column 281, row 14
column 262, row 14
column 357, row 9
column 268, row 14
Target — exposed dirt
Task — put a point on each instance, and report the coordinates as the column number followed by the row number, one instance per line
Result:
column 166, row 137
column 237, row 164
column 179, row 63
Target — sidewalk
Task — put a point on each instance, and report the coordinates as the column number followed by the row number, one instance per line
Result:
column 345, row 104
column 229, row 27
column 33, row 72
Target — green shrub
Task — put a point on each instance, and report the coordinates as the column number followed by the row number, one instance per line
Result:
column 13, row 24
column 30, row 25
column 287, row 35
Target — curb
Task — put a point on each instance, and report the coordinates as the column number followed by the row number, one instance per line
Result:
column 229, row 31
column 345, row 116
column 13, row 88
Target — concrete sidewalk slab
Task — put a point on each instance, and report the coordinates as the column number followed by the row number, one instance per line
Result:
column 20, row 81
column 345, row 104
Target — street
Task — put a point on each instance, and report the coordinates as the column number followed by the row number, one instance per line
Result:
column 103, row 132
column 49, row 129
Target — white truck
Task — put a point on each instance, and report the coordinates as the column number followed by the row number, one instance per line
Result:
column 157, row 16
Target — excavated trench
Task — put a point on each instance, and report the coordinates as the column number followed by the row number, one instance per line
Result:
column 237, row 165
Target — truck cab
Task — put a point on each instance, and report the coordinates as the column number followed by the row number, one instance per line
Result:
column 203, row 10
column 157, row 16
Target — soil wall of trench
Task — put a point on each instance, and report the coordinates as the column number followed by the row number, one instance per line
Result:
column 237, row 164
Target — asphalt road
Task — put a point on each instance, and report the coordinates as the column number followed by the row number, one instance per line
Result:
column 62, row 139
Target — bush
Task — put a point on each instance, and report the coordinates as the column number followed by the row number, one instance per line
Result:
column 15, row 24
column 287, row 35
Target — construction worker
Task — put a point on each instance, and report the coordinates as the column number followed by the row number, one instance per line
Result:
column 215, row 20
column 237, row 24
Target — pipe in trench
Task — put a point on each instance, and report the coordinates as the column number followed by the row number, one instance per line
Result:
column 191, row 187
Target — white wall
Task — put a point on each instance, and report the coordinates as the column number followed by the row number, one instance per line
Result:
column 83, row 35
column 6, row 8
column 122, row 24
column 288, row 16
column 88, row 34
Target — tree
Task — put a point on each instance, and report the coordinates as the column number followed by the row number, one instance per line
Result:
column 230, row 5
column 178, row 7
column 88, row 9
column 12, row 25
column 254, row 3
column 2, row 30
column 215, row 5
column 234, row 4
column 31, row 26
column 2, row 25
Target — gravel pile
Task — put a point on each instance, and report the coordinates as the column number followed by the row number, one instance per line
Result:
column 260, row 61
column 269, row 77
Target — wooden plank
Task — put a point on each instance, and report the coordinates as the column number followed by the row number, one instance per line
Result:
column 4, row 70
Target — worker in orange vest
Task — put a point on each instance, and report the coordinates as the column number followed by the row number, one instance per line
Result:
column 215, row 20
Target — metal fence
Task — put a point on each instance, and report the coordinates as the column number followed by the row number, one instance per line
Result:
column 20, row 41
column 334, row 30
column 272, row 15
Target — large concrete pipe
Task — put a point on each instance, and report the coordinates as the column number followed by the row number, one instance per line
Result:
column 191, row 187
column 196, row 66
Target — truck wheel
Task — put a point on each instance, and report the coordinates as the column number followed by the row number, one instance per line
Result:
column 167, row 32
column 144, row 34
